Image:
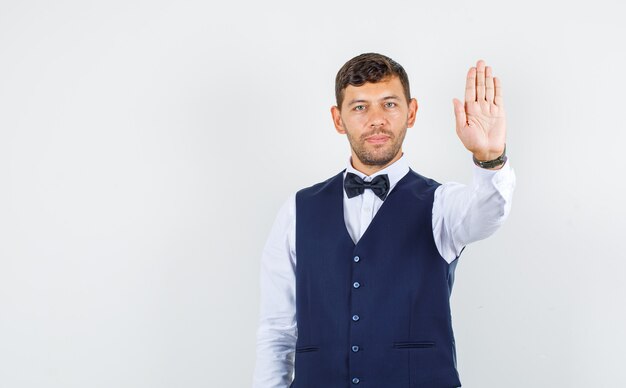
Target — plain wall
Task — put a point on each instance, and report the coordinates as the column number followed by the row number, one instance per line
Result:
column 146, row 146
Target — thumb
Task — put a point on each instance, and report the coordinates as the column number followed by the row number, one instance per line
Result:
column 459, row 113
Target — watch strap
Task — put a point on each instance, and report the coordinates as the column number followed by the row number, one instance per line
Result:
column 500, row 160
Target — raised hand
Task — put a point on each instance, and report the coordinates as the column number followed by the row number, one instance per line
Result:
column 480, row 123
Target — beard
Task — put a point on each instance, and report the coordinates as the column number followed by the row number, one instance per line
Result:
column 376, row 154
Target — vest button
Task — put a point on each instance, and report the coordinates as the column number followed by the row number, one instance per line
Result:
column 356, row 285
column 356, row 380
column 355, row 348
column 355, row 317
column 356, row 259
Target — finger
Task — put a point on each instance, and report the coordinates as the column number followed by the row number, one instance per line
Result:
column 498, row 92
column 480, row 80
column 470, row 85
column 459, row 113
column 489, row 86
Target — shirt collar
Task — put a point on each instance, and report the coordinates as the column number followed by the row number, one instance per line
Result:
column 395, row 171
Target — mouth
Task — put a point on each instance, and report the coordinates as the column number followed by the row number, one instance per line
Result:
column 377, row 139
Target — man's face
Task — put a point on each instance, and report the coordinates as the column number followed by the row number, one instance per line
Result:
column 375, row 116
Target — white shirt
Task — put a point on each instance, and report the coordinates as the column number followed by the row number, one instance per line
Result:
column 461, row 214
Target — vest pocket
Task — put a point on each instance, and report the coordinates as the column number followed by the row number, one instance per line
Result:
column 305, row 349
column 309, row 365
column 413, row 344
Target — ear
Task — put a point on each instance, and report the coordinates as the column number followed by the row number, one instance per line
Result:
column 336, row 113
column 412, row 112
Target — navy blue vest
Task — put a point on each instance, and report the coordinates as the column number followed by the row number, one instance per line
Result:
column 375, row 314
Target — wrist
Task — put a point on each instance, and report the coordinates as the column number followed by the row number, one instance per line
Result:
column 487, row 155
column 488, row 161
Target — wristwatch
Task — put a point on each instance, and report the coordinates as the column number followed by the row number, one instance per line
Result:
column 500, row 160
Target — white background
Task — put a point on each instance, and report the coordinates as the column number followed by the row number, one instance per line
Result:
column 146, row 146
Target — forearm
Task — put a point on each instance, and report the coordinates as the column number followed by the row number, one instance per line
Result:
column 276, row 341
column 277, row 331
column 468, row 213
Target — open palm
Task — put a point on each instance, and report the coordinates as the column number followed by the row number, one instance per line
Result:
column 480, row 122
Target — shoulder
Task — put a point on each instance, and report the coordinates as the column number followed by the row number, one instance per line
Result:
column 319, row 187
column 419, row 183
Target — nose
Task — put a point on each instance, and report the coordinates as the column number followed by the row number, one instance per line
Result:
column 377, row 118
column 376, row 123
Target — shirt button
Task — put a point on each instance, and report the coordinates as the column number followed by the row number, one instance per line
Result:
column 355, row 317
column 356, row 259
column 356, row 380
column 356, row 285
column 355, row 348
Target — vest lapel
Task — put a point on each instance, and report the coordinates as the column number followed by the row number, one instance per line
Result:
column 339, row 193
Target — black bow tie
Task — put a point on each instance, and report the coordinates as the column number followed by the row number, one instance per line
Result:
column 354, row 185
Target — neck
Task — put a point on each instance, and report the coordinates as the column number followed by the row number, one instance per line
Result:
column 370, row 169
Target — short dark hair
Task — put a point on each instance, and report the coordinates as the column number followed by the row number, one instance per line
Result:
column 369, row 67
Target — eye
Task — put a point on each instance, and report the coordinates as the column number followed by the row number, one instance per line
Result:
column 359, row 107
column 390, row 105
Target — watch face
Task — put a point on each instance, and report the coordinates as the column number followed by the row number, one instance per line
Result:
column 497, row 162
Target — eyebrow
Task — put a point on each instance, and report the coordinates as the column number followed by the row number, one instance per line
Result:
column 392, row 97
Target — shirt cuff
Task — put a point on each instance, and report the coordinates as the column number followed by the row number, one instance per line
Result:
column 496, row 178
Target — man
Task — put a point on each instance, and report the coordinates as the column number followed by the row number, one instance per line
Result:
column 357, row 272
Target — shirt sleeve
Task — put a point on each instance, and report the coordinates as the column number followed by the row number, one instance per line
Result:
column 277, row 330
column 463, row 214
